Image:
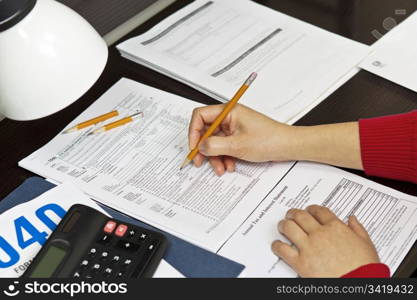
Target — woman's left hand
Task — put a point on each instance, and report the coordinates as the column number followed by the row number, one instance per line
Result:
column 324, row 246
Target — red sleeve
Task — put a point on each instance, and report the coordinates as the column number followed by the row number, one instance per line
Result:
column 389, row 146
column 370, row 271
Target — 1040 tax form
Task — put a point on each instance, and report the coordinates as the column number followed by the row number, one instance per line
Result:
column 135, row 168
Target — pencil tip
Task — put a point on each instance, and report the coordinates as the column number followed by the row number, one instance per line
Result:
column 184, row 164
column 68, row 131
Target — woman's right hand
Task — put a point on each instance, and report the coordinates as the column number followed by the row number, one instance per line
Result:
column 245, row 134
column 248, row 135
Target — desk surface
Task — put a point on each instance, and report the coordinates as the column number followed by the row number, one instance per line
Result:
column 365, row 95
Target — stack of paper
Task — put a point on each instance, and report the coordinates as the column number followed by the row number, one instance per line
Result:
column 214, row 45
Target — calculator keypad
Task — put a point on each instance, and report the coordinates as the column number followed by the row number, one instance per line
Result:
column 120, row 251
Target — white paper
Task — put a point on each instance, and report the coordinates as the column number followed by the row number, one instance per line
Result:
column 135, row 168
column 325, row 95
column 60, row 198
column 165, row 270
column 394, row 55
column 214, row 45
column 389, row 216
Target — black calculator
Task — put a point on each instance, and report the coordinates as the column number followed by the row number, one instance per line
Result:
column 89, row 245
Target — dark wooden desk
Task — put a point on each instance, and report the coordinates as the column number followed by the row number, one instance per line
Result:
column 363, row 96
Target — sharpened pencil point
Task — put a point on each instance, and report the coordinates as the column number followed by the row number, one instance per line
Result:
column 69, row 130
column 184, row 164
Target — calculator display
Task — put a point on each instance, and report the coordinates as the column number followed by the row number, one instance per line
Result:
column 49, row 263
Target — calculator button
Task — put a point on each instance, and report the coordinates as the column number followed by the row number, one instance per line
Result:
column 120, row 274
column 76, row 275
column 104, row 255
column 127, row 262
column 143, row 236
column 105, row 239
column 96, row 267
column 84, row 263
column 131, row 233
column 115, row 259
column 92, row 252
column 152, row 246
column 129, row 246
column 121, row 230
column 109, row 227
column 108, row 272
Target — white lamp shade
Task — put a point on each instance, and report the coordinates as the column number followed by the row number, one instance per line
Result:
column 47, row 61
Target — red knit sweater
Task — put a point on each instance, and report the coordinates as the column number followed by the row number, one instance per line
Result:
column 389, row 149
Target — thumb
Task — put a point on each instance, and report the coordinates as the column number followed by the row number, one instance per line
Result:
column 358, row 228
column 218, row 145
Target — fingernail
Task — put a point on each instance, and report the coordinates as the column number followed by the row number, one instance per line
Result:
column 275, row 244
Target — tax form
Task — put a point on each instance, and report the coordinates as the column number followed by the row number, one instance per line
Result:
column 214, row 45
column 389, row 216
column 135, row 168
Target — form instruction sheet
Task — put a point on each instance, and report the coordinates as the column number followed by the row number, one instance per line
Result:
column 213, row 46
column 389, row 216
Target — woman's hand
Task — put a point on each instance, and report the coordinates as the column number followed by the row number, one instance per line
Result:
column 324, row 246
column 248, row 135
column 244, row 134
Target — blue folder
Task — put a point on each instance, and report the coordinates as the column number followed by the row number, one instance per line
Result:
column 188, row 259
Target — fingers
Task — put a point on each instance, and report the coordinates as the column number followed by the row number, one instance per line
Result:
column 293, row 232
column 218, row 145
column 230, row 164
column 358, row 228
column 303, row 219
column 285, row 251
column 201, row 117
column 198, row 160
column 218, row 165
column 322, row 214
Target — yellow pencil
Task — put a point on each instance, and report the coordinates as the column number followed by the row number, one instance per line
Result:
column 118, row 123
column 92, row 121
column 230, row 105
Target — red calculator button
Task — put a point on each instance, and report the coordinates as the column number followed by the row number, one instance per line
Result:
column 121, row 230
column 109, row 227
